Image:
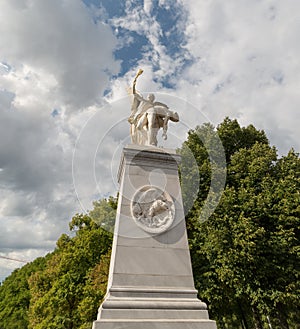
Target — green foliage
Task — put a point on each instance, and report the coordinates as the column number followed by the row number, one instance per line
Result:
column 246, row 256
column 202, row 171
column 64, row 289
column 66, row 293
column 94, row 291
column 234, row 137
column 104, row 213
column 15, row 295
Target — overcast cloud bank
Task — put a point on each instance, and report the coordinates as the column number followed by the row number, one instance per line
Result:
column 65, row 62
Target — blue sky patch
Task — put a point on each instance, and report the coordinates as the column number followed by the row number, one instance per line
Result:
column 55, row 113
column 134, row 46
column 131, row 53
column 113, row 8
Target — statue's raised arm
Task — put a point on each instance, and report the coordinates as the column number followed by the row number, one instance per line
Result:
column 140, row 71
column 136, row 98
column 147, row 117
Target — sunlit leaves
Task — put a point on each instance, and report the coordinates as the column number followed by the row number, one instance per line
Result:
column 247, row 253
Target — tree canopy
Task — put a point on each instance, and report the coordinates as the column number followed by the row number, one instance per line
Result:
column 246, row 255
column 65, row 288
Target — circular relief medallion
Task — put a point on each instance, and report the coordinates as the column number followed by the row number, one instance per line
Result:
column 153, row 210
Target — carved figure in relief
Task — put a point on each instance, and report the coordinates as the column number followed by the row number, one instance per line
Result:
column 147, row 117
column 153, row 209
column 152, row 214
column 157, row 207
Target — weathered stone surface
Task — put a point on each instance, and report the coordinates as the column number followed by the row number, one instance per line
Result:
column 150, row 283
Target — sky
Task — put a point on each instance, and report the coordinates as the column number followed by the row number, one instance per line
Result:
column 65, row 70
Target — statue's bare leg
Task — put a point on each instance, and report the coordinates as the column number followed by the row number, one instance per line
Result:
column 152, row 128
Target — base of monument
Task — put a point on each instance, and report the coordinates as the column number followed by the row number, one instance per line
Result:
column 153, row 308
column 154, row 324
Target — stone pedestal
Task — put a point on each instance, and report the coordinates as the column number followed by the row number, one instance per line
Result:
column 150, row 282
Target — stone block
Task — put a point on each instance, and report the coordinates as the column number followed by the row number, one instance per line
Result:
column 151, row 282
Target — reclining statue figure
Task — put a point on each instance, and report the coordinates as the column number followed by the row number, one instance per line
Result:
column 147, row 117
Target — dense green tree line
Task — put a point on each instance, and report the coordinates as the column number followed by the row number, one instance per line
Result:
column 64, row 289
column 245, row 256
column 66, row 294
column 15, row 295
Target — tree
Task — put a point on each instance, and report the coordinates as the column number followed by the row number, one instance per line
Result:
column 202, row 171
column 104, row 213
column 245, row 257
column 65, row 288
column 15, row 295
column 59, row 291
column 94, row 291
column 234, row 137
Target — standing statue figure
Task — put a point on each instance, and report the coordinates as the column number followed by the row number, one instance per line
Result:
column 147, row 117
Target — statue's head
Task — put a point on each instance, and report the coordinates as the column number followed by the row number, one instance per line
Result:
column 151, row 97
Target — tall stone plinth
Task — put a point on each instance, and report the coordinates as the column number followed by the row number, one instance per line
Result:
column 150, row 281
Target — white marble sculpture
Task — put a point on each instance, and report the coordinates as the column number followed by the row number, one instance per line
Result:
column 147, row 117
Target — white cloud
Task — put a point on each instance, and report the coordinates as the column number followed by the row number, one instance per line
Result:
column 140, row 19
column 61, row 39
column 17, row 258
column 148, row 6
column 57, row 57
column 246, row 64
column 54, row 56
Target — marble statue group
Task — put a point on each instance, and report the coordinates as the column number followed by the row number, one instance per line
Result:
column 147, row 117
